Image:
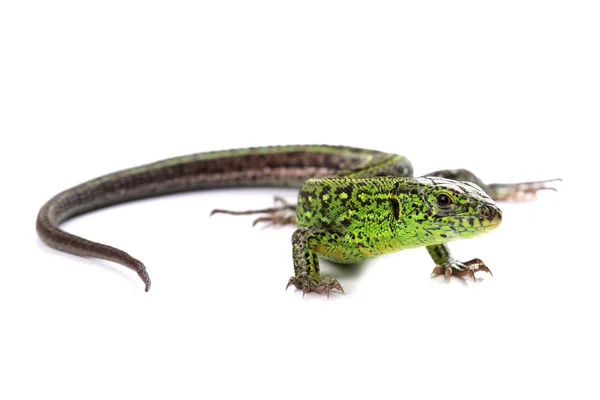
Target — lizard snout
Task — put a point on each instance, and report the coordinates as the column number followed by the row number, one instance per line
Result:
column 491, row 215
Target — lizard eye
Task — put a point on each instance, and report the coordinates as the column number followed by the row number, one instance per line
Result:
column 443, row 200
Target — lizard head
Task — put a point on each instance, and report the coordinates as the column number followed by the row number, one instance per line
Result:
column 440, row 210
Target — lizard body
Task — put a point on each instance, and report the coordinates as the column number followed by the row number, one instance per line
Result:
column 353, row 204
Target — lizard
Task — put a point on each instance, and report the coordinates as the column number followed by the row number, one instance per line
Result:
column 353, row 204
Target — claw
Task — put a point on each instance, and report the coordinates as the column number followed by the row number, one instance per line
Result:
column 486, row 269
column 472, row 275
column 261, row 219
column 290, row 282
column 283, row 202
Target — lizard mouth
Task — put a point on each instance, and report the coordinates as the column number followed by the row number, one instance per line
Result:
column 491, row 227
column 491, row 224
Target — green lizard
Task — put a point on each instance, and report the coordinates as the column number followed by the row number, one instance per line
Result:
column 353, row 204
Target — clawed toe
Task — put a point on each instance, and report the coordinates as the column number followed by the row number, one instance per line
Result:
column 484, row 268
column 439, row 270
column 276, row 218
column 325, row 286
column 462, row 269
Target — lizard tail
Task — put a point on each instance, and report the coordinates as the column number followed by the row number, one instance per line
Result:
column 283, row 166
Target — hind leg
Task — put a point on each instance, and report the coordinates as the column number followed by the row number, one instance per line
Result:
column 282, row 213
column 522, row 191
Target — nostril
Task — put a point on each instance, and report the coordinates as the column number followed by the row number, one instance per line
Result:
column 490, row 213
column 487, row 212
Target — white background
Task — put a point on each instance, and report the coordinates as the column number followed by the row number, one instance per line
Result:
column 509, row 90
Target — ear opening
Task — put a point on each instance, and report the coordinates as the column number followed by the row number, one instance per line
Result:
column 395, row 207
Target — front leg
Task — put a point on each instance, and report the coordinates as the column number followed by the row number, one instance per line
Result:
column 307, row 275
column 448, row 265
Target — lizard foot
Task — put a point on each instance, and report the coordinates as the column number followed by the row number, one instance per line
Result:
column 326, row 285
column 461, row 269
column 525, row 191
column 283, row 213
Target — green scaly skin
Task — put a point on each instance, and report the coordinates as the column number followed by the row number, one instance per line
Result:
column 347, row 220
column 353, row 204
